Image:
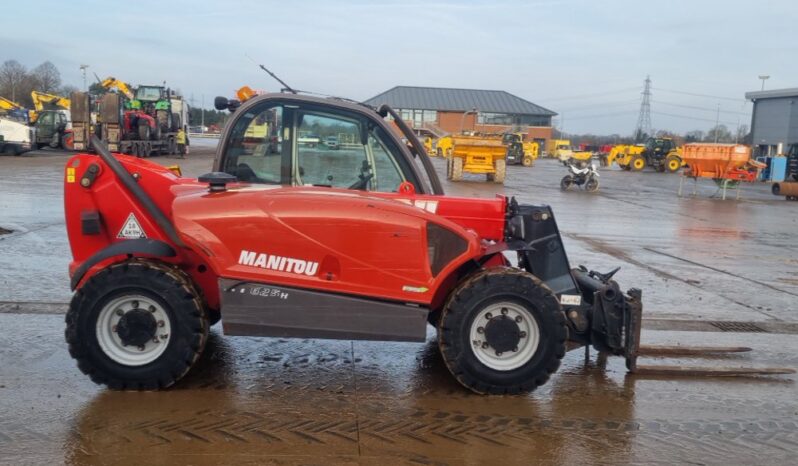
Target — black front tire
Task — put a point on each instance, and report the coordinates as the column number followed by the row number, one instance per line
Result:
column 179, row 299
column 468, row 301
column 566, row 182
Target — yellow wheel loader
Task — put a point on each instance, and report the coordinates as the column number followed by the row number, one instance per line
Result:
column 520, row 151
column 658, row 153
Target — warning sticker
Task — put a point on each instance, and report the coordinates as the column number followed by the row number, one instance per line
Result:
column 570, row 300
column 131, row 229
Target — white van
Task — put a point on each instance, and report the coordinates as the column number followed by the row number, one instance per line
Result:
column 15, row 137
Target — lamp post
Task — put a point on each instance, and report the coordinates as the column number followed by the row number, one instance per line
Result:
column 83, row 68
column 462, row 122
column 764, row 77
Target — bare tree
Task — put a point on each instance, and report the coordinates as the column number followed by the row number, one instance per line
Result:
column 12, row 77
column 741, row 133
column 68, row 89
column 719, row 133
column 46, row 78
column 694, row 136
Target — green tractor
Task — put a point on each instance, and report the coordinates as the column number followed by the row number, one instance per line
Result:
column 166, row 107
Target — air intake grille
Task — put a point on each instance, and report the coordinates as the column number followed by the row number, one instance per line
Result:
column 742, row 327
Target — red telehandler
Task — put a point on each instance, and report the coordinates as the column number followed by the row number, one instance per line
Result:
column 285, row 239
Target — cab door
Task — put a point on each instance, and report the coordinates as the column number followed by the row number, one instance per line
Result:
column 45, row 127
column 271, row 143
column 259, row 148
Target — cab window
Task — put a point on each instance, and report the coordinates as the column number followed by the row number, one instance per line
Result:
column 254, row 150
column 330, row 151
column 47, row 118
column 387, row 173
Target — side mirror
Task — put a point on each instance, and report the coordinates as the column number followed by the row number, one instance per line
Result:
column 223, row 103
column 220, row 103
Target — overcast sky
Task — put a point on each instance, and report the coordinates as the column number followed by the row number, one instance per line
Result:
column 586, row 60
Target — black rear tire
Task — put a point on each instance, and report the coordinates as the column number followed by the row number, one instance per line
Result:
column 214, row 316
column 10, row 150
column 144, row 131
column 449, row 164
column 166, row 286
column 465, row 308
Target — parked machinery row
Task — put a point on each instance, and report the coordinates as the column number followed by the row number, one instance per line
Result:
column 487, row 154
column 48, row 124
column 143, row 121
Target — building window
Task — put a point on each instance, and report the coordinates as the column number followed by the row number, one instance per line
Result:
column 417, row 118
column 430, row 115
column 494, row 119
column 517, row 120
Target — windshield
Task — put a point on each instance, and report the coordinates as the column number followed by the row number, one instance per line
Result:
column 148, row 93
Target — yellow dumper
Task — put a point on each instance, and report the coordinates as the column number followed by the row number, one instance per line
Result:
column 477, row 154
column 443, row 146
column 562, row 150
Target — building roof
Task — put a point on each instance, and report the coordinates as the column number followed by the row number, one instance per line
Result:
column 457, row 100
column 772, row 94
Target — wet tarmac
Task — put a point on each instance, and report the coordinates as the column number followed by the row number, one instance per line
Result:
column 702, row 263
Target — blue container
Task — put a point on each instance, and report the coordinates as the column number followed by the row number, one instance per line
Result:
column 764, row 174
column 778, row 169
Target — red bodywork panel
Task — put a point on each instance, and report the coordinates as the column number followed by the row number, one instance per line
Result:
column 140, row 115
column 334, row 240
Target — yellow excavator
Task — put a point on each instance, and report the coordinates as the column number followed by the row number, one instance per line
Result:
column 113, row 83
column 14, row 110
column 40, row 99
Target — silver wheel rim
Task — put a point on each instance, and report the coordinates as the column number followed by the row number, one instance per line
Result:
column 111, row 343
column 527, row 345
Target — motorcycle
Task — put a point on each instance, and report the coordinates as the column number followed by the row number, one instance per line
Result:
column 586, row 175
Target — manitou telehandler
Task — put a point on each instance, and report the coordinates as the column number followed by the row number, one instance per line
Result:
column 307, row 242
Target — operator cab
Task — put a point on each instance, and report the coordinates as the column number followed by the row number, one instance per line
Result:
column 286, row 140
column 659, row 146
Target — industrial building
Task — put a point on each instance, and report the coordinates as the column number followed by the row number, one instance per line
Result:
column 774, row 123
column 441, row 111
